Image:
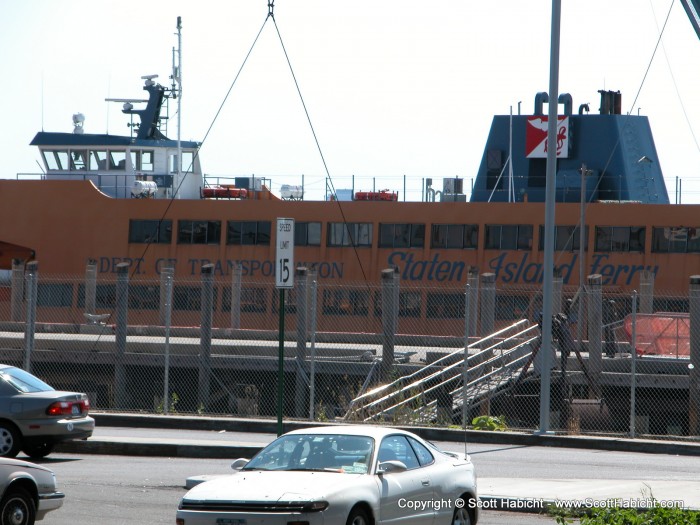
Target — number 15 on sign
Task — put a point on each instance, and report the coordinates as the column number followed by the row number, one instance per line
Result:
column 284, row 256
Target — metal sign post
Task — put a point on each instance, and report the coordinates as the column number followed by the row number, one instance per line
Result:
column 284, row 278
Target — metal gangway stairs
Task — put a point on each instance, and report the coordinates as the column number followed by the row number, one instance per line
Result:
column 495, row 364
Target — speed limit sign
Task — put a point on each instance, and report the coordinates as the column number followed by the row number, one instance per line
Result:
column 284, row 258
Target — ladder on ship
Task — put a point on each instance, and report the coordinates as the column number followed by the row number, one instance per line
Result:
column 495, row 364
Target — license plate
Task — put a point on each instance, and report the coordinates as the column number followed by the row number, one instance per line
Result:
column 230, row 521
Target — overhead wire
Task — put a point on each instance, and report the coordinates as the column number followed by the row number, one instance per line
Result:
column 350, row 232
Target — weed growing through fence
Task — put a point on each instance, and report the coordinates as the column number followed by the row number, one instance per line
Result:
column 494, row 423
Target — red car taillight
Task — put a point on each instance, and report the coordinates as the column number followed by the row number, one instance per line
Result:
column 68, row 408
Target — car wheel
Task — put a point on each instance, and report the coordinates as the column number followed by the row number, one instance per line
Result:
column 17, row 508
column 358, row 516
column 461, row 517
column 10, row 440
column 38, row 449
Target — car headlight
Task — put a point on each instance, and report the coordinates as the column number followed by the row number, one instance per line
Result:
column 315, row 506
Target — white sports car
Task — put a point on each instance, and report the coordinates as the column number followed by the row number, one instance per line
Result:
column 357, row 475
column 27, row 492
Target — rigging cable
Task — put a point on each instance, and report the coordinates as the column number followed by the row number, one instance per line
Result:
column 189, row 169
column 318, row 146
column 624, row 125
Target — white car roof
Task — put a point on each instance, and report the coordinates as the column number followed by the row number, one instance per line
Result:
column 374, row 431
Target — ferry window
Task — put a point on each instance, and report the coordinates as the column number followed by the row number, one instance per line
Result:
column 248, row 232
column 409, row 304
column 445, row 306
column 671, row 304
column 675, row 240
column 290, row 300
column 144, row 297
column 54, row 294
column 98, row 160
column 512, row 307
column 187, row 161
column 78, row 160
column 307, row 234
column 117, row 160
column 198, row 232
column 508, row 237
column 566, row 238
column 349, row 234
column 401, row 235
column 253, row 300
column 189, row 298
column 142, row 160
column 345, row 302
column 619, row 238
column 104, row 296
column 150, row 231
column 458, row 236
column 56, row 159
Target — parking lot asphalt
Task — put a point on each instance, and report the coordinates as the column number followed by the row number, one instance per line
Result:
column 521, row 495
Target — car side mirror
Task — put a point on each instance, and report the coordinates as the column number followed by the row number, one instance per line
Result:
column 387, row 467
column 239, row 463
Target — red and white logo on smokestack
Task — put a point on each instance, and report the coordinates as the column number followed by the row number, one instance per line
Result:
column 536, row 137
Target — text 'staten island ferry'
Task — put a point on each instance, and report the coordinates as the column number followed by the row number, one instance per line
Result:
column 115, row 199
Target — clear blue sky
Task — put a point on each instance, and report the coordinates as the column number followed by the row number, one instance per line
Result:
column 392, row 88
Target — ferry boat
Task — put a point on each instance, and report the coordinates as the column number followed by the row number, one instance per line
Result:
column 143, row 199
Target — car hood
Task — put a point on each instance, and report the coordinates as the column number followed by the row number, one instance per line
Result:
column 11, row 463
column 266, row 486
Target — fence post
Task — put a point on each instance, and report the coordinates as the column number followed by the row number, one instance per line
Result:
column 167, row 272
column 557, row 286
column 646, row 292
column 167, row 305
column 120, row 329
column 488, row 303
column 236, row 284
column 473, row 283
column 313, row 284
column 91, row 287
column 694, row 365
column 388, row 323
column 30, row 325
column 301, row 387
column 595, row 328
column 205, row 336
column 465, row 364
column 17, row 293
column 633, row 369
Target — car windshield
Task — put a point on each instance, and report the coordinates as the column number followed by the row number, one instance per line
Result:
column 23, row 381
column 318, row 452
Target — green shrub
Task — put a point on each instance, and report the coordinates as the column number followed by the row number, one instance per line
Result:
column 489, row 423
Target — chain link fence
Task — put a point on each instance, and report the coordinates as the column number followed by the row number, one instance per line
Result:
column 384, row 352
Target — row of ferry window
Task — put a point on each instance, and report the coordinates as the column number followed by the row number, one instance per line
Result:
column 112, row 160
column 445, row 236
column 334, row 301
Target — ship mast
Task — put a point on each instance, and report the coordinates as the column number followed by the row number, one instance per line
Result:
column 177, row 77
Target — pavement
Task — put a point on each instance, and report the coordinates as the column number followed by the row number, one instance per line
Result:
column 516, row 494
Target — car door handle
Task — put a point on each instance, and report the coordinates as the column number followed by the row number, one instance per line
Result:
column 425, row 482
